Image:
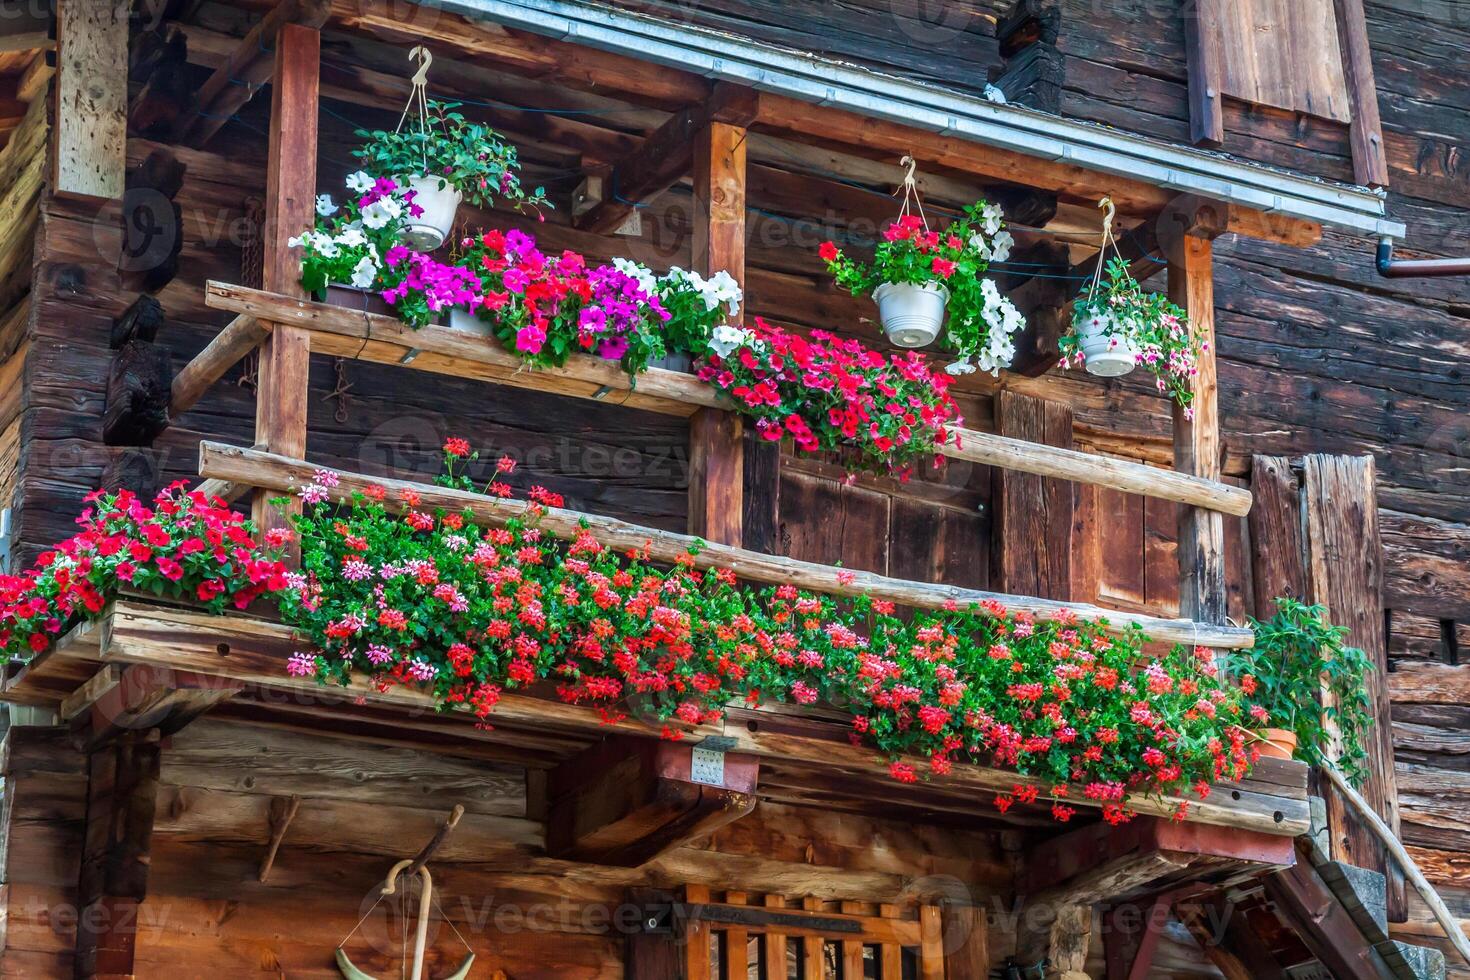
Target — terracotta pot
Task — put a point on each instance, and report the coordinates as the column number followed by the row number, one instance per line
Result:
column 911, row 315
column 1277, row 743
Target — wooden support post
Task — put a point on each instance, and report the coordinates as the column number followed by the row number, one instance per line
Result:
column 121, row 796
column 1197, row 434
column 1345, row 574
column 285, row 357
column 649, row 953
column 697, row 938
column 1278, row 554
column 89, row 145
column 1032, row 532
column 716, row 438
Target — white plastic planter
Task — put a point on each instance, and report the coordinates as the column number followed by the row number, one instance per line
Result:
column 1106, row 355
column 911, row 315
column 470, row 323
column 440, row 202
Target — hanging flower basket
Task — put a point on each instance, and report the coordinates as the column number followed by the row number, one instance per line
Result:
column 1107, row 347
column 912, row 316
column 439, row 201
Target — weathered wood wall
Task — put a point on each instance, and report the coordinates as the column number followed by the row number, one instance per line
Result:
column 365, row 806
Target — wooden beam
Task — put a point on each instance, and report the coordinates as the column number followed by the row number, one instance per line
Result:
column 625, row 801
column 666, row 156
column 1323, row 924
column 89, row 145
column 1278, row 553
column 1223, row 931
column 247, row 651
column 247, row 69
column 1370, row 163
column 1032, row 531
column 1197, row 449
column 1129, row 953
column 384, row 340
column 285, row 356
column 122, row 791
column 273, row 472
column 146, row 697
column 240, row 336
column 1202, row 49
column 1345, row 575
column 716, row 438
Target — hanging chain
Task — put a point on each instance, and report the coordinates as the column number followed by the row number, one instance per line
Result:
column 339, row 392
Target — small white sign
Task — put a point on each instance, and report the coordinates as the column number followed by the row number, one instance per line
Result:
column 707, row 766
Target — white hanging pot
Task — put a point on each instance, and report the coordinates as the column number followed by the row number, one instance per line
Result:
column 912, row 315
column 460, row 319
column 1105, row 355
column 439, row 200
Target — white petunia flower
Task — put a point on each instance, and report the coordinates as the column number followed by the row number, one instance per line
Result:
column 722, row 288
column 364, row 273
column 991, row 218
column 359, row 182
column 960, row 367
column 325, row 206
column 639, row 273
column 1000, row 248
column 351, row 237
column 725, row 339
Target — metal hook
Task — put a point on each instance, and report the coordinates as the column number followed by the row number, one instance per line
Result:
column 425, row 58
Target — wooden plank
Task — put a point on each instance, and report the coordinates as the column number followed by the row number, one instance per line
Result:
column 89, row 146
column 966, row 944
column 813, row 953
column 285, row 356
column 697, row 938
column 1370, row 164
column 1032, row 534
column 240, row 336
column 774, row 946
column 276, row 473
column 648, row 955
column 931, row 943
column 248, row 67
column 1278, row 554
column 1345, row 569
column 736, row 961
column 716, row 439
column 251, row 652
column 851, row 950
column 890, row 955
column 1202, row 30
column 1323, row 923
column 344, row 333
column 1202, row 593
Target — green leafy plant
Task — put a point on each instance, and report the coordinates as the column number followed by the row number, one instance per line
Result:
column 475, row 159
column 1298, row 657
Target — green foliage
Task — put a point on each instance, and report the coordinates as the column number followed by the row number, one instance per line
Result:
column 1297, row 657
column 471, row 156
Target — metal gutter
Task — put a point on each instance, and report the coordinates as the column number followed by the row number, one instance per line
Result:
column 824, row 81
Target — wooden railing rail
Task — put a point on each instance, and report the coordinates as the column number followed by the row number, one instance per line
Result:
column 341, row 332
column 257, row 468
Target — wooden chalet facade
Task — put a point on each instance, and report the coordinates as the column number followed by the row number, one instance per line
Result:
column 177, row 805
